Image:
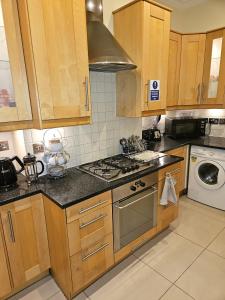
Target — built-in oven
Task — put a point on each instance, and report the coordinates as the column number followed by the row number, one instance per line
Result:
column 134, row 209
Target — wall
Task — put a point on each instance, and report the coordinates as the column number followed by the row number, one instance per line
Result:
column 203, row 17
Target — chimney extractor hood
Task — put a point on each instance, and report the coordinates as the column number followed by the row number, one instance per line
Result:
column 105, row 53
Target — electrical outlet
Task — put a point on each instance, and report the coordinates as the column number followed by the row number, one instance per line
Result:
column 222, row 121
column 4, row 145
column 214, row 120
column 38, row 148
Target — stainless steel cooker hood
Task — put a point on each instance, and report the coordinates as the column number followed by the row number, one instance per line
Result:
column 105, row 53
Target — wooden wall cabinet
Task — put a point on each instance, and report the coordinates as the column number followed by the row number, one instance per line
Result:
column 191, row 70
column 15, row 109
column 142, row 29
column 55, row 46
column 26, row 240
column 5, row 287
column 214, row 68
column 174, row 69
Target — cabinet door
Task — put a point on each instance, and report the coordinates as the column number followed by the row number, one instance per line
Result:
column 87, row 265
column 4, row 272
column 26, row 238
column 174, row 69
column 14, row 94
column 168, row 213
column 191, row 71
column 155, row 56
column 55, row 39
column 214, row 68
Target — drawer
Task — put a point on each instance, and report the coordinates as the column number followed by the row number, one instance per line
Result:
column 174, row 169
column 89, row 229
column 181, row 152
column 82, row 209
column 87, row 265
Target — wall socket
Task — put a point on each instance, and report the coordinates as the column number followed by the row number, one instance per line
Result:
column 38, row 148
column 4, row 145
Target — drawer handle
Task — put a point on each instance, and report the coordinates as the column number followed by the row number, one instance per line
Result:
column 92, row 221
column 12, row 234
column 95, row 252
column 173, row 172
column 83, row 210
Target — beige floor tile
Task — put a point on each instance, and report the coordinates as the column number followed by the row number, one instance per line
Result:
column 60, row 296
column 205, row 279
column 196, row 226
column 42, row 290
column 169, row 254
column 175, row 293
column 204, row 209
column 131, row 280
column 218, row 245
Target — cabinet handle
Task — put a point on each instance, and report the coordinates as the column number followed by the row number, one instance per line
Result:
column 93, row 221
column 86, row 83
column 83, row 210
column 199, row 94
column 95, row 252
column 12, row 235
column 147, row 85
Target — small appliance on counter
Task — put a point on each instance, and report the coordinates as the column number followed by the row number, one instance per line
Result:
column 133, row 144
column 31, row 169
column 152, row 134
column 8, row 173
column 178, row 128
column 55, row 156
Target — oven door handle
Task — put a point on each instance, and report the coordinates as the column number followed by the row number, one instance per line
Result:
column 153, row 191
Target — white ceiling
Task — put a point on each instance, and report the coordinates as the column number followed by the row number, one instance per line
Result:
column 182, row 4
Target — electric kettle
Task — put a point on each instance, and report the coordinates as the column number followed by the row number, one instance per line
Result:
column 8, row 172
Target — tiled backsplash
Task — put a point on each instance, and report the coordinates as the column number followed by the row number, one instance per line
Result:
column 100, row 139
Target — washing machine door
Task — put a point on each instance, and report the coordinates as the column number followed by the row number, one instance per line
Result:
column 210, row 174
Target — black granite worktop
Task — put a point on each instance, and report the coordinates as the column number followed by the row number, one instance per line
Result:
column 77, row 185
column 167, row 143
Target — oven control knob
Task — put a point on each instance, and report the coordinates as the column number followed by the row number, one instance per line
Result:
column 133, row 188
column 142, row 184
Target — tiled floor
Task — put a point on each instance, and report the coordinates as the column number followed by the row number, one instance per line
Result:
column 185, row 262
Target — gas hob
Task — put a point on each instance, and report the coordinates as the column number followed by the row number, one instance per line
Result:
column 119, row 166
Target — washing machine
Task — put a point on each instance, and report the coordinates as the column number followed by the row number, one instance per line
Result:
column 207, row 176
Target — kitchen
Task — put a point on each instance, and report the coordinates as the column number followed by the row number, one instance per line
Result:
column 118, row 221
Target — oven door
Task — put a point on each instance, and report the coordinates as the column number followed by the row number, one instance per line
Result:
column 133, row 216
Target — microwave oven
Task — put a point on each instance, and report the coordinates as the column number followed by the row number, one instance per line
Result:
column 179, row 128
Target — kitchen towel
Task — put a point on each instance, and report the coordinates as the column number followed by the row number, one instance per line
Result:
column 169, row 192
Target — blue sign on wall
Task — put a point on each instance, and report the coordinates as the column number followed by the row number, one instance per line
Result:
column 154, row 87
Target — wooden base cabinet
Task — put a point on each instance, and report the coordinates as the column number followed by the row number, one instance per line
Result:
column 80, row 242
column 26, row 239
column 5, row 286
column 168, row 213
column 142, row 28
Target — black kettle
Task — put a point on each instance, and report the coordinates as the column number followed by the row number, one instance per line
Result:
column 8, row 172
